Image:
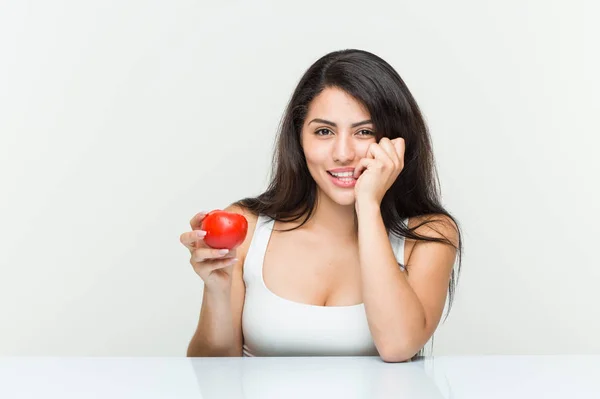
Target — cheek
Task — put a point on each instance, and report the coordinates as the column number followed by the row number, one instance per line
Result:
column 315, row 154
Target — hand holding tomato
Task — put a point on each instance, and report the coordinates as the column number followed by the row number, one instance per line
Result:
column 224, row 229
column 214, row 265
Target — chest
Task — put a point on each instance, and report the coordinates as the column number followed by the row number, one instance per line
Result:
column 301, row 269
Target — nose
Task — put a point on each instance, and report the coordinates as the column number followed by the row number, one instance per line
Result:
column 343, row 149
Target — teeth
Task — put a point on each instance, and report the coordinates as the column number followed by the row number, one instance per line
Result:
column 343, row 174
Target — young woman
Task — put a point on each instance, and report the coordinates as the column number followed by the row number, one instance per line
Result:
column 349, row 250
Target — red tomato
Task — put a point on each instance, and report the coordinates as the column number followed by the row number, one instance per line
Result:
column 224, row 229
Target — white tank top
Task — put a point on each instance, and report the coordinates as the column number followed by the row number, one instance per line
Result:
column 275, row 326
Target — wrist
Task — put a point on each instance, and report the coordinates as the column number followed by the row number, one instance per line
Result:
column 217, row 293
column 365, row 205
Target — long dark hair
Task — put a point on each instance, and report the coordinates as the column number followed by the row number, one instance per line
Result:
column 292, row 192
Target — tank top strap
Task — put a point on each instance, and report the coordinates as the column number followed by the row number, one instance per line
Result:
column 258, row 246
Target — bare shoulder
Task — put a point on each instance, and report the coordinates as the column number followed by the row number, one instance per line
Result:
column 427, row 257
column 251, row 218
column 435, row 226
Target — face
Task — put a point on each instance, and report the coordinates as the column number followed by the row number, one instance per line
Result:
column 335, row 136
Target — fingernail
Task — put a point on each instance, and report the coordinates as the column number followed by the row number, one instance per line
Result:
column 201, row 233
column 223, row 251
column 233, row 260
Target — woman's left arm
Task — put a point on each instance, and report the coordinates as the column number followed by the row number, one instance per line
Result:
column 403, row 309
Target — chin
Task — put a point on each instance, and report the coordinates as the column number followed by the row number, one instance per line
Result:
column 349, row 201
column 337, row 195
column 341, row 198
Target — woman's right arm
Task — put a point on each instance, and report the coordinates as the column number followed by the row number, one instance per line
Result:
column 219, row 330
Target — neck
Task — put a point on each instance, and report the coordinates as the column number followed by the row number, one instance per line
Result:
column 334, row 220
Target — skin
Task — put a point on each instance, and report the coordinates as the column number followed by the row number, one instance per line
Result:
column 403, row 309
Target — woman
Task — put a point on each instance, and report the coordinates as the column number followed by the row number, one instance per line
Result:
column 349, row 251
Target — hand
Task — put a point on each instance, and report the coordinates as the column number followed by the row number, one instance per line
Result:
column 214, row 266
column 379, row 169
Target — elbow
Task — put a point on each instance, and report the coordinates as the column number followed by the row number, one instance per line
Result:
column 397, row 353
column 394, row 357
column 394, row 350
column 229, row 351
column 192, row 352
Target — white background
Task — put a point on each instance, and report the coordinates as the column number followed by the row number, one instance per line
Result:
column 120, row 120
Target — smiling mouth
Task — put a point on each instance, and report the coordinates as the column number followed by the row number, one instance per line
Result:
column 345, row 176
column 342, row 181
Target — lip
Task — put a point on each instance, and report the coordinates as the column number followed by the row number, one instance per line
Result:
column 341, row 170
column 342, row 184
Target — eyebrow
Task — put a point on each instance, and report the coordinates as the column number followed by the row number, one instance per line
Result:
column 334, row 125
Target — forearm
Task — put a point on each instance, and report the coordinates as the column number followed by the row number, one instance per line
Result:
column 395, row 315
column 214, row 335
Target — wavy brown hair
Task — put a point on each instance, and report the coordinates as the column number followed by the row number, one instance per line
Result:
column 292, row 192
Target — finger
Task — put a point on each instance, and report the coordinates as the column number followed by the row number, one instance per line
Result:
column 203, row 254
column 390, row 149
column 369, row 153
column 193, row 239
column 220, row 264
column 196, row 221
column 380, row 154
column 364, row 164
column 400, row 146
column 205, row 268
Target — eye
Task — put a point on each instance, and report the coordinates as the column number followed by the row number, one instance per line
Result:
column 322, row 130
column 325, row 132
